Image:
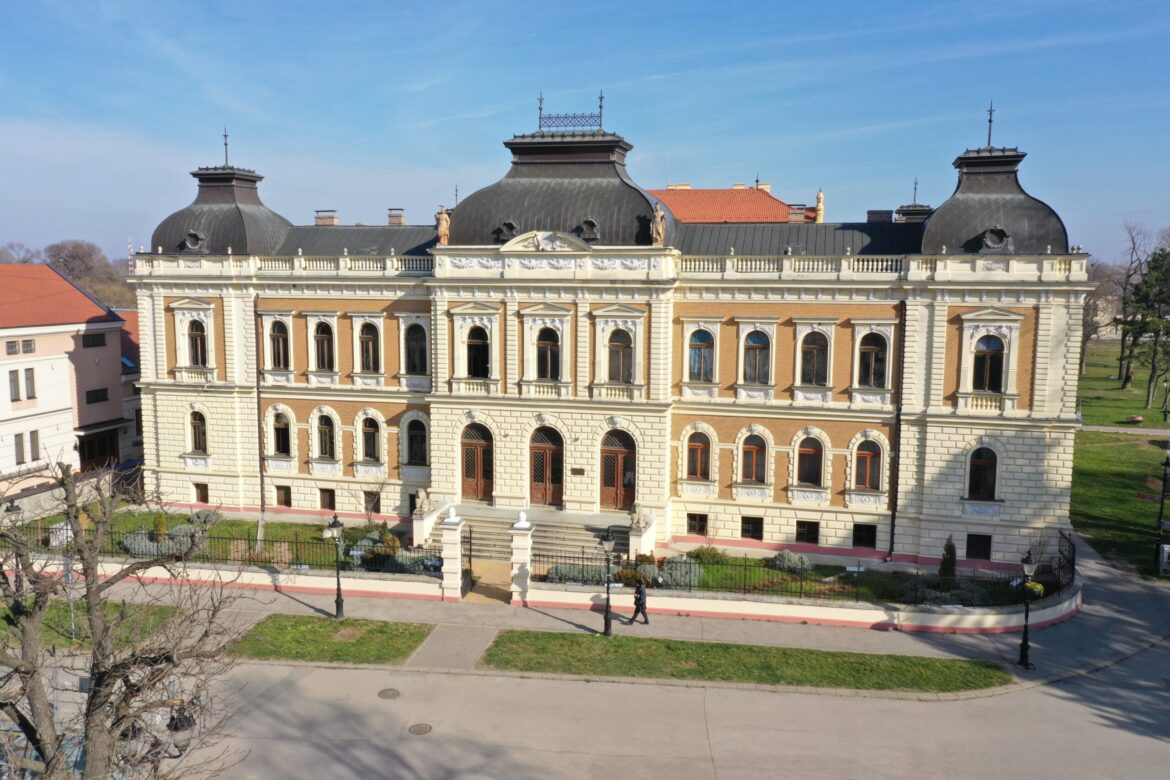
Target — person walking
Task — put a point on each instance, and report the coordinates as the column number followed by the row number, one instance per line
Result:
column 640, row 603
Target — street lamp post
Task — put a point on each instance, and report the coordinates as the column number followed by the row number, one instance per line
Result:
column 333, row 531
column 607, row 543
column 1161, row 513
column 1029, row 571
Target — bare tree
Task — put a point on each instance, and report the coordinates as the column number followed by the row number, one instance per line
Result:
column 149, row 653
column 86, row 264
column 1100, row 304
column 16, row 252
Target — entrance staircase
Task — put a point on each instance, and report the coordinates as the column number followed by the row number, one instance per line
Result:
column 556, row 533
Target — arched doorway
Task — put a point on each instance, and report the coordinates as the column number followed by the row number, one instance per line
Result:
column 477, row 463
column 546, row 467
column 618, row 471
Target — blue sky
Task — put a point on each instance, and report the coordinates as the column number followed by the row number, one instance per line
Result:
column 105, row 106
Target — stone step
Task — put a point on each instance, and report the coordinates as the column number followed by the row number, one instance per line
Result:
column 491, row 538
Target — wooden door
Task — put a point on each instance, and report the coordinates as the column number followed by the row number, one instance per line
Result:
column 618, row 479
column 477, row 471
column 546, row 469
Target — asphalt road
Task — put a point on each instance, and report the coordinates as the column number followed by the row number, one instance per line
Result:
column 308, row 722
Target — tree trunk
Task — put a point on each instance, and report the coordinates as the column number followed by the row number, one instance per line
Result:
column 1121, row 357
column 1150, row 381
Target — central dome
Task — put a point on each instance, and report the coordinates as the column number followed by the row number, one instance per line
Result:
column 572, row 182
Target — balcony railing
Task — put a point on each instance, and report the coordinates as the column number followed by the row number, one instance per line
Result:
column 294, row 265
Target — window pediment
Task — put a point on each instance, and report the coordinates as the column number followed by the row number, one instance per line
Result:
column 545, row 241
column 547, row 310
column 475, row 309
column 617, row 311
column 990, row 315
column 192, row 304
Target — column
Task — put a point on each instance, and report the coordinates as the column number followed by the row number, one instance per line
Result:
column 521, row 532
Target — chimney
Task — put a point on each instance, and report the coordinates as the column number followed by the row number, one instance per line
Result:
column 326, row 218
column 739, row 186
column 683, row 186
column 877, row 216
column 766, row 186
column 396, row 217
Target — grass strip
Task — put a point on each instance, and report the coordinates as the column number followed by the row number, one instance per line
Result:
column 560, row 653
column 1103, row 402
column 69, row 630
column 310, row 638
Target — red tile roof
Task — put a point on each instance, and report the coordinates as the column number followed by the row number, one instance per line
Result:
column 33, row 295
column 731, row 205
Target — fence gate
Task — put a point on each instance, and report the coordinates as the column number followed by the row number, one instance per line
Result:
column 468, row 551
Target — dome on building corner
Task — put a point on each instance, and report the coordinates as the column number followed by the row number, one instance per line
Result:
column 227, row 213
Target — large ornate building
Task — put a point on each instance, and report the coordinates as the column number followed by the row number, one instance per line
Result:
column 867, row 388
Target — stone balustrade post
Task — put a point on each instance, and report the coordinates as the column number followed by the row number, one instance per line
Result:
column 521, row 558
column 642, row 534
column 452, row 532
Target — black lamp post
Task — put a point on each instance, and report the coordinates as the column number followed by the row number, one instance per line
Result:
column 333, row 531
column 607, row 543
column 1029, row 571
column 1161, row 513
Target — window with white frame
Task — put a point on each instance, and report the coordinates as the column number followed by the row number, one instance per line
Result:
column 698, row 460
column 413, row 439
column 620, row 351
column 198, row 434
column 476, row 341
column 547, row 344
column 810, row 467
column 810, row 455
column 753, row 465
column 281, row 435
column 872, row 355
column 756, row 356
column 618, row 335
column 278, row 346
column 987, row 381
column 369, row 348
column 371, row 434
column 813, row 374
column 982, row 470
column 194, row 327
column 415, row 351
column 321, row 328
column 700, row 357
column 698, row 456
column 326, row 437
column 814, row 360
column 323, row 351
column 867, row 466
column 754, row 460
column 197, row 344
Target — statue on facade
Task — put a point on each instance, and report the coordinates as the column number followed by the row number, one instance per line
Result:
column 658, row 226
column 443, row 225
column 422, row 503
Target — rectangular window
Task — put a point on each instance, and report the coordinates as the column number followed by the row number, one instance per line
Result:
column 201, row 495
column 34, row 445
column 97, row 396
column 372, row 501
column 327, row 498
column 14, row 385
column 979, row 547
column 30, row 383
column 12, row 347
column 28, row 345
column 696, row 524
column 808, row 532
column 284, row 495
column 19, row 444
column 93, row 340
column 865, row 535
column 138, row 423
column 751, row 528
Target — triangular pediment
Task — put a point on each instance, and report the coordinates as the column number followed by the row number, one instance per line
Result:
column 991, row 314
column 200, row 304
column 546, row 241
column 476, row 308
column 547, row 310
column 618, row 310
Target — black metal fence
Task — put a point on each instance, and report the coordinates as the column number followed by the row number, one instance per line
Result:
column 796, row 578
column 300, row 552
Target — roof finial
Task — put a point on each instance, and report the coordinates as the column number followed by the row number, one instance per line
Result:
column 915, row 199
column 990, row 118
column 540, row 110
column 601, row 109
column 456, row 194
column 757, row 180
column 226, row 164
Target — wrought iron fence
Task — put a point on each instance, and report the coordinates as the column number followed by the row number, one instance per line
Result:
column 780, row 577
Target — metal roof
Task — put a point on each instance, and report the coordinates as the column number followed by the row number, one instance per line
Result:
column 378, row 240
column 861, row 238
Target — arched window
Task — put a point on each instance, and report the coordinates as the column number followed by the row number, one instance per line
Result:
column 868, row 466
column 370, row 351
column 278, row 345
column 814, row 360
column 989, row 365
column 416, row 443
column 416, row 350
column 478, row 361
column 757, row 358
column 809, row 457
column 698, row 456
column 281, row 435
column 755, row 452
column 702, row 357
column 198, row 433
column 872, row 369
column 325, row 444
column 548, row 354
column 621, row 357
column 370, row 431
column 981, row 485
column 323, row 342
column 197, row 343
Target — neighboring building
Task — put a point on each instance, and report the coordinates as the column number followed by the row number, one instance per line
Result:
column 737, row 204
column 861, row 388
column 62, row 359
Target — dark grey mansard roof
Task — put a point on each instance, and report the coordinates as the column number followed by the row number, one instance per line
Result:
column 557, row 181
column 990, row 213
column 378, row 240
column 227, row 213
column 887, row 238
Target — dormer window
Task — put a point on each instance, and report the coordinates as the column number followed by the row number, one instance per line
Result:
column 589, row 230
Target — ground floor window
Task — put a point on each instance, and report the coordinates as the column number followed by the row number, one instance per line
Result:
column 751, row 528
column 696, row 524
column 865, row 535
column 201, row 494
column 284, row 495
column 979, row 547
column 327, row 498
column 808, row 532
column 372, row 501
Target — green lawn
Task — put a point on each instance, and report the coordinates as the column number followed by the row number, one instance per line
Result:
column 1103, row 402
column 305, row 638
column 61, row 630
column 1108, row 470
column 532, row 651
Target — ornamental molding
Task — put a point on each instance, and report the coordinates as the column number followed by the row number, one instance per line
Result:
column 546, row 241
column 369, row 470
column 994, row 266
column 875, row 398
column 866, row 499
column 700, row 390
column 200, row 462
column 761, row 493
column 763, row 393
column 808, row 496
column 287, row 465
column 477, row 263
column 697, row 488
column 619, row 263
column 818, row 396
column 975, row 509
column 320, row 468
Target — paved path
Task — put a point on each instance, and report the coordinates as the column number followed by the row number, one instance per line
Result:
column 1134, row 429
column 452, row 648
